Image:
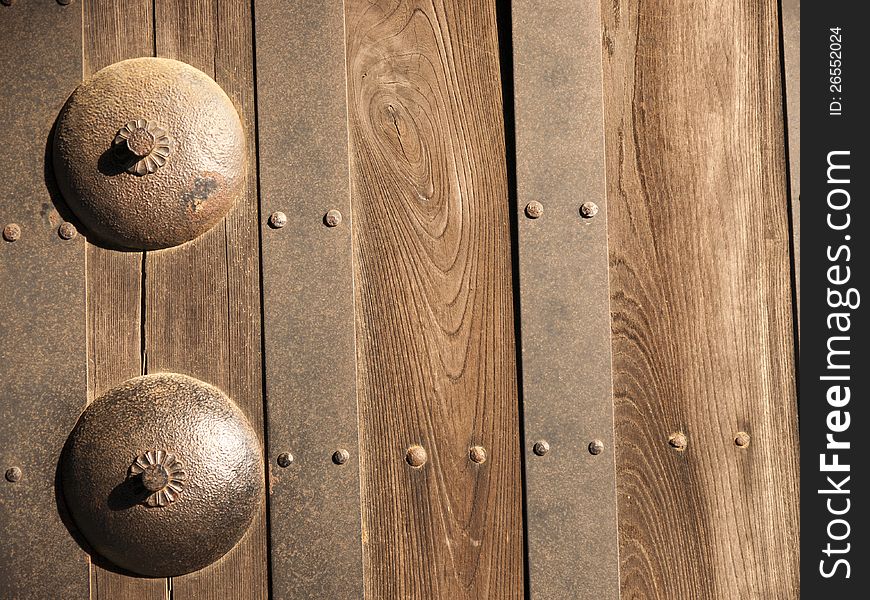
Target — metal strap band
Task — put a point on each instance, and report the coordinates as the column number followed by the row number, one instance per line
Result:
column 564, row 301
column 308, row 307
column 791, row 43
column 43, row 348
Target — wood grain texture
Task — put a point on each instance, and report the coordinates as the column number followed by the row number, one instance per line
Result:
column 701, row 300
column 434, row 301
column 114, row 32
column 202, row 299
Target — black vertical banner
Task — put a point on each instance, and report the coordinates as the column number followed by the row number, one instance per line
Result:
column 834, row 366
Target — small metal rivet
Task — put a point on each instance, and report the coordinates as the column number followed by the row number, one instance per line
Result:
column 340, row 456
column 12, row 232
column 416, row 456
column 13, row 475
column 541, row 447
column 534, row 209
column 678, row 441
column 285, row 459
column 66, row 231
column 277, row 220
column 477, row 454
column 742, row 439
column 332, row 218
column 588, row 210
column 596, row 447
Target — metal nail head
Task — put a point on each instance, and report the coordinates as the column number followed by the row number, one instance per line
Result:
column 277, row 220
column 678, row 441
column 332, row 218
column 541, row 447
column 596, row 447
column 285, row 459
column 534, row 210
column 13, row 475
column 588, row 210
column 742, row 439
column 66, row 231
column 12, row 232
column 416, row 456
column 477, row 454
column 340, row 456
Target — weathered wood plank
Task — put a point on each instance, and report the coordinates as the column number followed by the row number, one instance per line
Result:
column 211, row 329
column 700, row 297
column 434, row 301
column 114, row 32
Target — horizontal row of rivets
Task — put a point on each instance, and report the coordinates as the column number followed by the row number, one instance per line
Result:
column 278, row 219
column 416, row 456
column 679, row 442
column 542, row 447
column 12, row 232
column 535, row 210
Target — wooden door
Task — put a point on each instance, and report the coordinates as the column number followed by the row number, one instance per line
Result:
column 373, row 300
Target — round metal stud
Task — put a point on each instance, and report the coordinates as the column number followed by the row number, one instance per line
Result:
column 588, row 210
column 534, row 210
column 285, row 459
column 596, row 447
column 277, row 220
column 12, row 232
column 332, row 218
column 13, row 474
column 66, row 231
column 541, row 447
column 162, row 475
column 678, row 441
column 149, row 153
column 416, row 456
column 741, row 440
column 340, row 456
column 477, row 454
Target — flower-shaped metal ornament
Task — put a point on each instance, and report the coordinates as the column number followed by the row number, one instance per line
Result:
column 161, row 474
column 150, row 144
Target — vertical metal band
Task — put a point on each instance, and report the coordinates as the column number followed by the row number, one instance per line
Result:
column 308, row 307
column 564, row 301
column 791, row 44
column 43, row 348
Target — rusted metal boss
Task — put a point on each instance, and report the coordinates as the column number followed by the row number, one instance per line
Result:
column 162, row 474
column 149, row 153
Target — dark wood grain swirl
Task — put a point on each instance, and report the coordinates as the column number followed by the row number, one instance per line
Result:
column 435, row 321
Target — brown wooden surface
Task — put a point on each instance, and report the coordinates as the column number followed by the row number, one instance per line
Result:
column 202, row 300
column 435, row 319
column 113, row 32
column 702, row 318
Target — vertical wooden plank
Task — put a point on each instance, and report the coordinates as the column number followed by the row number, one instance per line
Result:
column 43, row 340
column 115, row 32
column 434, row 301
column 202, row 299
column 308, row 301
column 700, row 296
